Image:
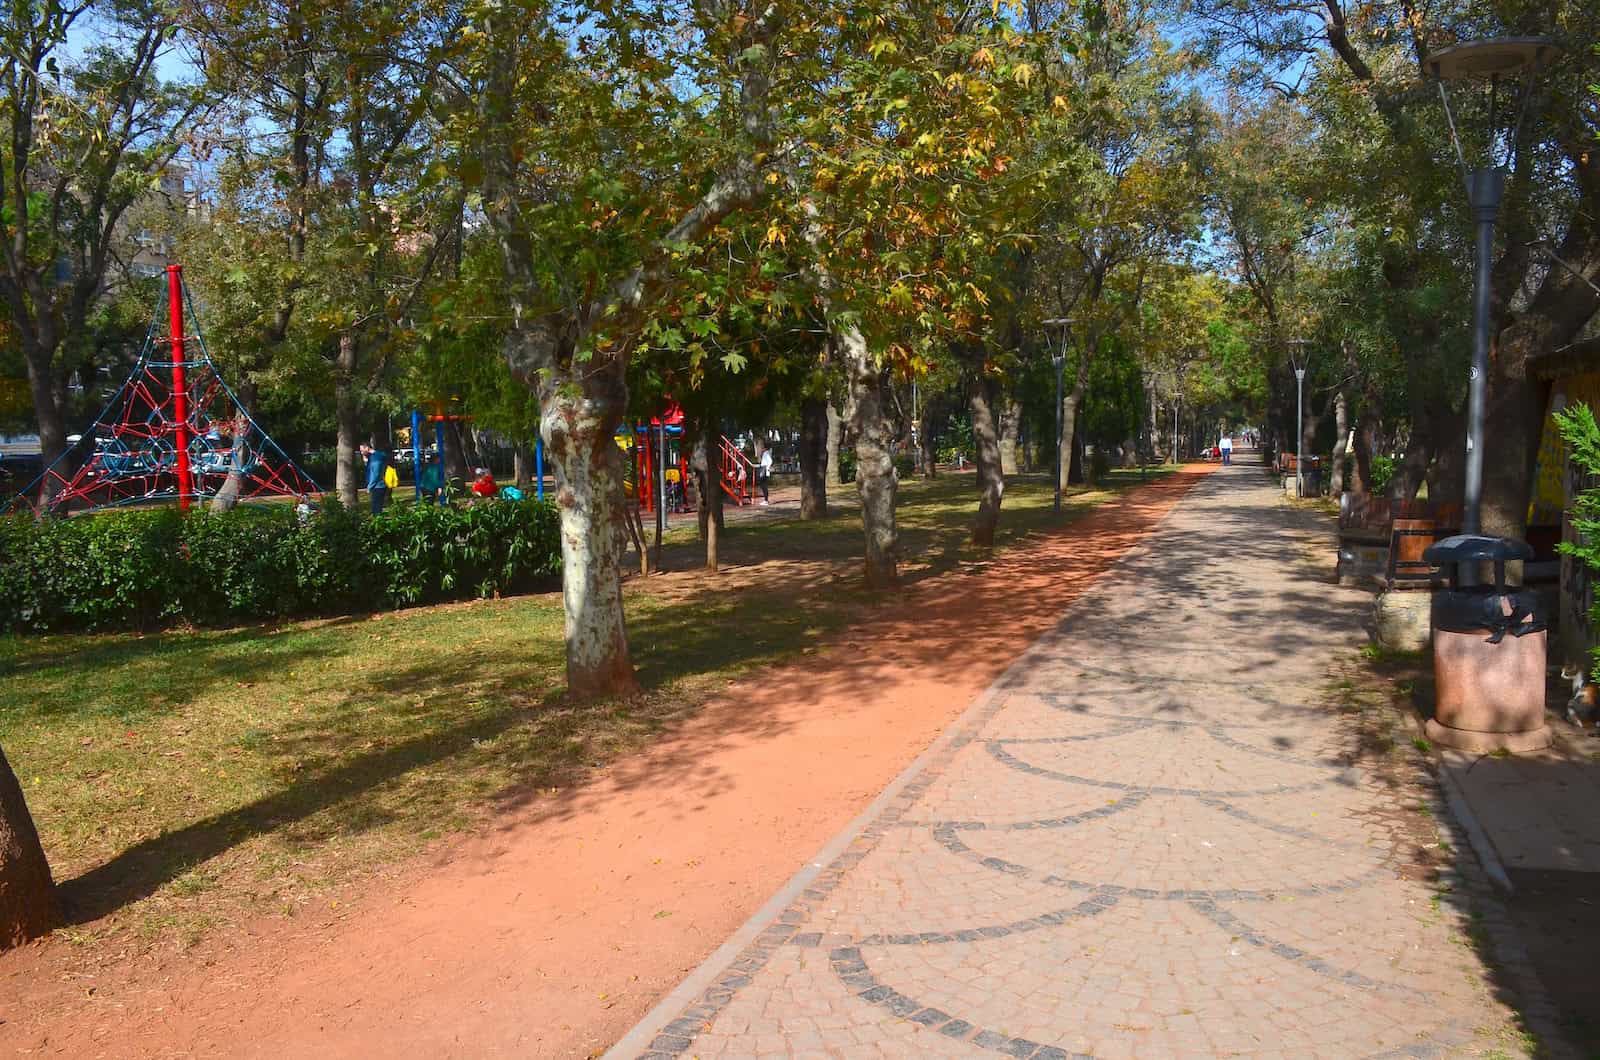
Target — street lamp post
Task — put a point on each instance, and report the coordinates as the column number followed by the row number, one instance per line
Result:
column 1490, row 60
column 1059, row 358
column 1297, row 359
column 1299, row 432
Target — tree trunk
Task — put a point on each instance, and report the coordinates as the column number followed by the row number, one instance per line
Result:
column 580, row 412
column 1010, row 429
column 227, row 497
column 455, row 456
column 1513, row 421
column 347, row 476
column 1413, row 468
column 470, row 448
column 813, row 458
column 47, row 411
column 28, row 904
column 835, row 437
column 521, row 464
column 657, row 442
column 1441, row 464
column 991, row 472
column 632, row 523
column 1341, row 425
column 708, row 474
column 1070, row 404
column 867, row 410
column 928, row 441
column 1366, row 445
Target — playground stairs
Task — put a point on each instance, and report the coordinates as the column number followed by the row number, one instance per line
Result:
column 738, row 473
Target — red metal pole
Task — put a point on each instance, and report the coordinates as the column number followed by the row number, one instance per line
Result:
column 180, row 390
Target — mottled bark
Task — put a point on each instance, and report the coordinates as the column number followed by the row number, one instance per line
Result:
column 867, row 409
column 28, row 904
column 347, row 466
column 580, row 417
column 1010, row 432
column 991, row 475
column 813, row 458
column 1341, row 427
column 1070, row 404
column 707, row 471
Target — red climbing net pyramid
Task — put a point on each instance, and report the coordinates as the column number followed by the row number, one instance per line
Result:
column 173, row 432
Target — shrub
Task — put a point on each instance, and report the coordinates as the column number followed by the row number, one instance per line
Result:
column 1582, row 435
column 152, row 568
column 1382, row 474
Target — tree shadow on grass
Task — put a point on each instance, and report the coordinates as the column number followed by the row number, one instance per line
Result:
column 185, row 665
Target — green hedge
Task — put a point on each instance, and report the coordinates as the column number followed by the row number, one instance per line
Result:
column 147, row 569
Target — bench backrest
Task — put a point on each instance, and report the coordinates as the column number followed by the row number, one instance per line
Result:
column 1364, row 511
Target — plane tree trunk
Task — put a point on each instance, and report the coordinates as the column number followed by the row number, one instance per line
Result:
column 835, row 439
column 867, row 410
column 813, row 458
column 1010, row 433
column 28, row 903
column 991, row 475
column 347, row 474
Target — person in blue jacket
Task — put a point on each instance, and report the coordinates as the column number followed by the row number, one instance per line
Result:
column 377, row 488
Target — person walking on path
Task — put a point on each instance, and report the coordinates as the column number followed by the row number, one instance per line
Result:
column 764, row 474
column 1226, row 445
column 377, row 483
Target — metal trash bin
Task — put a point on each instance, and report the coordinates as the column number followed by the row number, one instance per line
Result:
column 1489, row 645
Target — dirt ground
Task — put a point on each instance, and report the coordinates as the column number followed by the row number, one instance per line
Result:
column 551, row 931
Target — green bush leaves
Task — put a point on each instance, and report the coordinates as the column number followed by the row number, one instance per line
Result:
column 148, row 569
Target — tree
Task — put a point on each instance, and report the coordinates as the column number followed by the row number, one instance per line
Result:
column 589, row 249
column 86, row 139
column 28, row 903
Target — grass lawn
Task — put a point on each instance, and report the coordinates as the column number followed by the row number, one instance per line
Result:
column 184, row 780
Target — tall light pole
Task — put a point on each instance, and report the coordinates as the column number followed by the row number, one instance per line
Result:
column 1508, row 58
column 1297, row 355
column 1058, row 357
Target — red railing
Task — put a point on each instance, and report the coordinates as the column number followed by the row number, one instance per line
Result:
column 737, row 473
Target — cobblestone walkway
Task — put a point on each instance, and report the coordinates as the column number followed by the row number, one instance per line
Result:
column 1146, row 840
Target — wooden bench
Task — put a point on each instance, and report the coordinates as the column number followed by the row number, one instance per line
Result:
column 1382, row 539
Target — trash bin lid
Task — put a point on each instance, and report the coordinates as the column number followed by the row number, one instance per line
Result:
column 1472, row 548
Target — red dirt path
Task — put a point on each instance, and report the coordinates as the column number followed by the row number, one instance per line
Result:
column 553, row 932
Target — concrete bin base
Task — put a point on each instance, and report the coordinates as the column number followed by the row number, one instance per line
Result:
column 1489, row 697
column 1487, row 742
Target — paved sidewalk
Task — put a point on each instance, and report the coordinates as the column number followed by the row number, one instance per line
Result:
column 1146, row 840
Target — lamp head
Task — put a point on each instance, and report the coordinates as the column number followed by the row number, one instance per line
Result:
column 1511, row 62
column 1499, row 57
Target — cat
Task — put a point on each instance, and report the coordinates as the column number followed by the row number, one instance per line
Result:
column 1583, row 709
